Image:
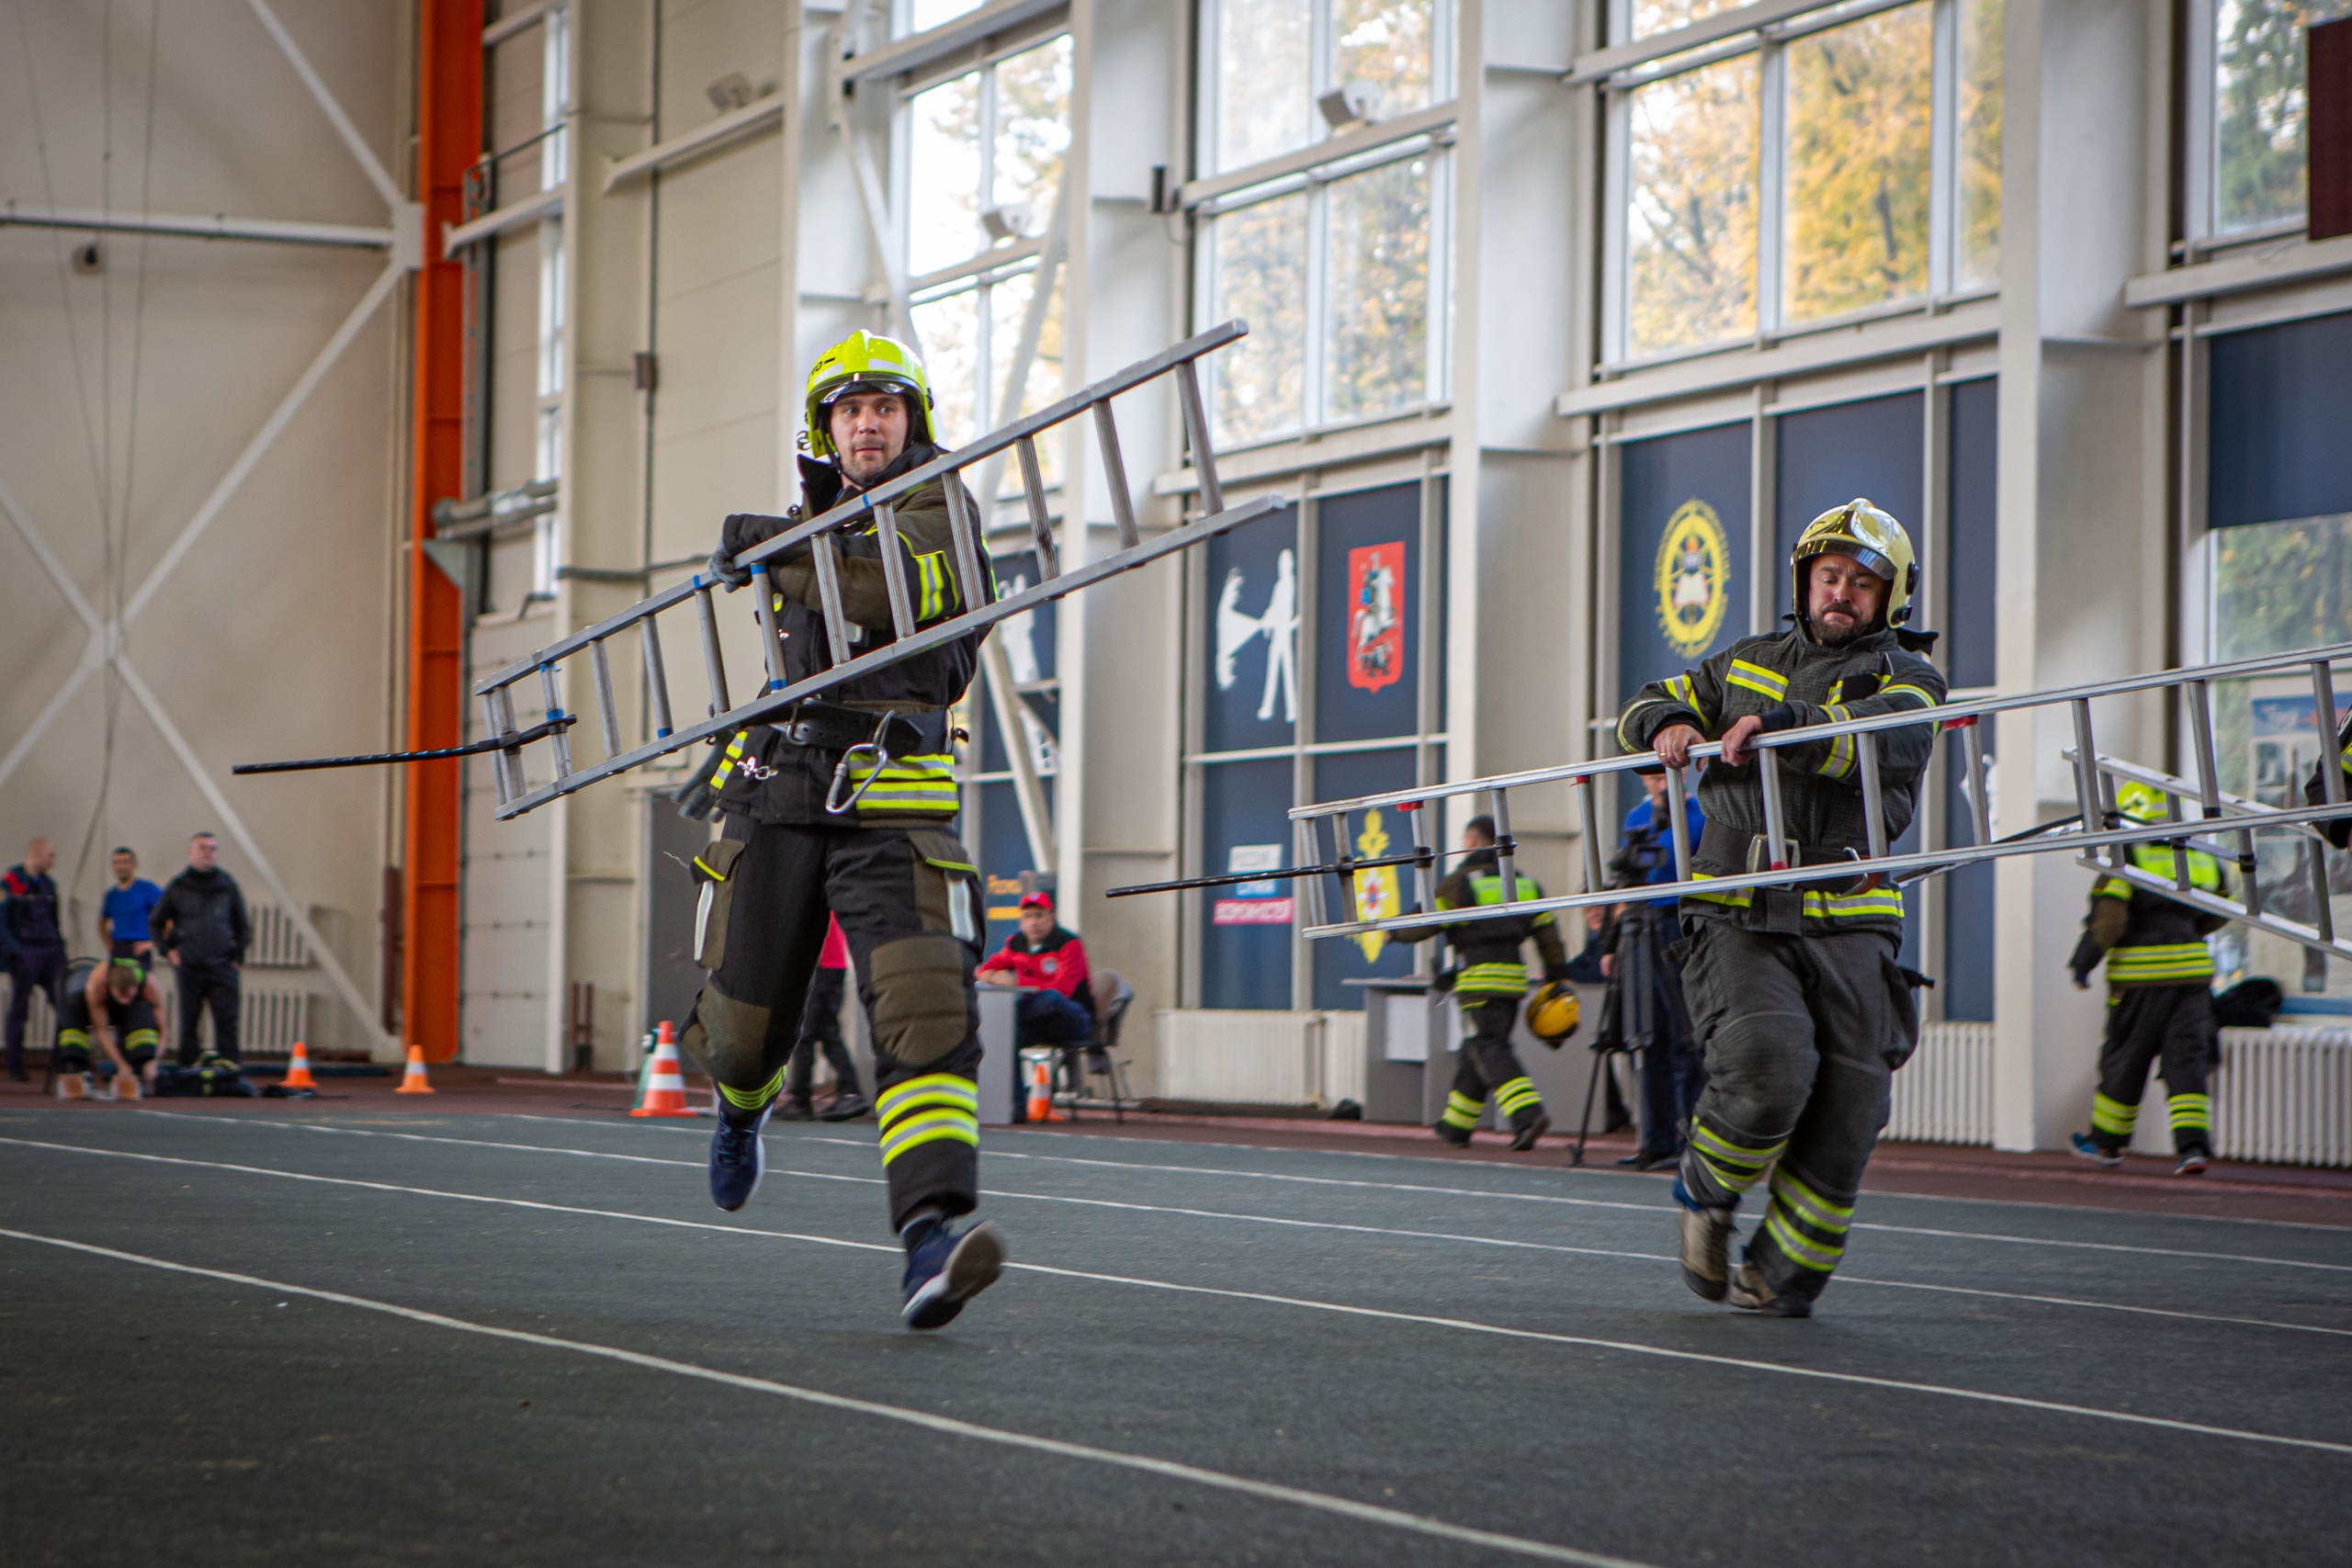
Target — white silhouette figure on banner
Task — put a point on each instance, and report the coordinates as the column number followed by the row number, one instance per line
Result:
column 1020, row 635
column 1279, row 622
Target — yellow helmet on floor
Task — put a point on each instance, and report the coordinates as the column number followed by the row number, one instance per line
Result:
column 1554, row 1013
column 866, row 362
column 1870, row 536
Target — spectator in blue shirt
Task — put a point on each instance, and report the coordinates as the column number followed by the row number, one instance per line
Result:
column 1650, row 1013
column 122, row 917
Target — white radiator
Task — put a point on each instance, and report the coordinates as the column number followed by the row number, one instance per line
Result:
column 271, row 1022
column 1944, row 1093
column 1342, row 1057
column 2283, row 1096
column 1233, row 1057
column 276, row 941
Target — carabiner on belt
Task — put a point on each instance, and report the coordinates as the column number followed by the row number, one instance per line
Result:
column 881, row 754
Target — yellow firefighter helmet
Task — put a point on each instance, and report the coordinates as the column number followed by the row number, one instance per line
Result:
column 1554, row 1013
column 1870, row 536
column 866, row 362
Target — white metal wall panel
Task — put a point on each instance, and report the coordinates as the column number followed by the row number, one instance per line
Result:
column 1944, row 1093
column 504, row 1009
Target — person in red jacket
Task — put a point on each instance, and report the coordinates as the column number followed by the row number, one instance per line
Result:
column 1049, row 957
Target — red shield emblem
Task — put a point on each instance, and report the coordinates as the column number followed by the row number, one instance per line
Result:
column 1376, row 616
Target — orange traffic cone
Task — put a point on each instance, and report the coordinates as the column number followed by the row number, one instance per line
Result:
column 665, row 1089
column 298, row 1071
column 1041, row 1091
column 412, row 1081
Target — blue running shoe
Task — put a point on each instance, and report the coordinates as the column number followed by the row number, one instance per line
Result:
column 738, row 1160
column 2095, row 1151
column 947, row 1267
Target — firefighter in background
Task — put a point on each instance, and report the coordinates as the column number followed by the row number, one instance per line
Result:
column 1489, row 986
column 1649, row 1015
column 847, row 805
column 1801, row 1011
column 2159, row 997
column 114, row 1005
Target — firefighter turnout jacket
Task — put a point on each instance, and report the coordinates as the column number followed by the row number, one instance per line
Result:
column 1490, row 950
column 2147, row 938
column 1789, row 680
column 760, row 774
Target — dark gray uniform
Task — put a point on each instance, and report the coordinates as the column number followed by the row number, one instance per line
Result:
column 1800, row 1008
column 891, row 869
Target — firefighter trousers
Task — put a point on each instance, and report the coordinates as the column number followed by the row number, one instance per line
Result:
column 2172, row 1026
column 908, row 902
column 1802, row 1035
column 1489, row 1065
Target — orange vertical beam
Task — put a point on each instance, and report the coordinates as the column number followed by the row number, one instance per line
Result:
column 449, row 86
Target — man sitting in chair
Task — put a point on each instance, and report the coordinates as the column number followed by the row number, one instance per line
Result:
column 1060, row 1009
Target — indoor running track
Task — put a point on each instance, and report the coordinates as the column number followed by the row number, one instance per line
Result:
column 287, row 1336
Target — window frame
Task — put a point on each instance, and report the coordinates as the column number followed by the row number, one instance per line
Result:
column 1771, row 40
column 2202, row 235
column 1215, row 192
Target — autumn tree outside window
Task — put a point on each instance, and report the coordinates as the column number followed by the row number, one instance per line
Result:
column 1837, row 163
column 1338, row 266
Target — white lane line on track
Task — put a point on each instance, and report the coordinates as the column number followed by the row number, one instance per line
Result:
column 1478, row 1192
column 1453, row 1236
column 1367, row 1513
column 1469, row 1325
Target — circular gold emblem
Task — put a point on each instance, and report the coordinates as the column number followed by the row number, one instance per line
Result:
column 1693, row 579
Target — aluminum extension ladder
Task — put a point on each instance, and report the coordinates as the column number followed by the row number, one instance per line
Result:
column 507, row 740
column 2200, row 816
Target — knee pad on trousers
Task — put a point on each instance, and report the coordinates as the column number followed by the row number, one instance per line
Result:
column 1764, row 1060
column 726, row 1038
column 922, row 998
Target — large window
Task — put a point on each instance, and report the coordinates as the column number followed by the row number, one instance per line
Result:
column 1310, row 649
column 995, row 826
column 1338, row 266
column 983, row 154
column 1838, row 163
column 2250, row 84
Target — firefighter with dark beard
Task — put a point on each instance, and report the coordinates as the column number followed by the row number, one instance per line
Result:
column 1801, row 1011
column 847, row 805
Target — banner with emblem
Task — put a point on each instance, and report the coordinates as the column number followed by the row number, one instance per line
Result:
column 1367, row 613
column 1684, row 582
column 1385, row 890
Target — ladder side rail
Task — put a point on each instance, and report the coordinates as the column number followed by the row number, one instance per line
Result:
column 894, row 572
column 2231, row 909
column 761, row 708
column 608, row 711
column 1873, row 794
column 1944, row 714
column 657, row 678
column 1939, row 861
column 714, row 662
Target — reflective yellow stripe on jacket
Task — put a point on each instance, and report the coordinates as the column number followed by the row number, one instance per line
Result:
column 2160, row 964
column 924, row 782
column 1876, row 903
column 1769, row 683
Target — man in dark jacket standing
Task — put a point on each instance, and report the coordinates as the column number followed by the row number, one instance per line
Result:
column 1801, row 1007
column 201, row 926
column 32, row 942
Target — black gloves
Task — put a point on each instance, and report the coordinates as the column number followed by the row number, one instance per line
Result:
column 1556, row 974
column 739, row 533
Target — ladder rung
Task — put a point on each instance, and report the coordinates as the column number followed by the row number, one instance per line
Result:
column 499, row 780
column 559, row 740
column 657, row 678
column 714, row 662
column 1196, row 437
column 1114, row 476
column 894, row 572
column 972, row 585
column 825, row 550
column 607, row 709
column 1041, row 526
column 763, row 592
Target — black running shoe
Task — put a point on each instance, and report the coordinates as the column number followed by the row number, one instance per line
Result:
column 846, row 1108
column 2193, row 1163
column 791, row 1109
column 1458, row 1136
column 947, row 1267
column 738, row 1160
column 1524, row 1139
column 2095, row 1151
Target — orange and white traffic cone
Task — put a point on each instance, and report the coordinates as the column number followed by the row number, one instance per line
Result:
column 1041, row 1091
column 665, row 1089
column 298, row 1071
column 413, row 1081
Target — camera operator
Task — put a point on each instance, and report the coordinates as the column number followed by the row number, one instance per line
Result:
column 1647, row 1009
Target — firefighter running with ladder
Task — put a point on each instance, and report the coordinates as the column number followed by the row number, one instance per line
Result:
column 847, row 805
column 1801, row 1011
